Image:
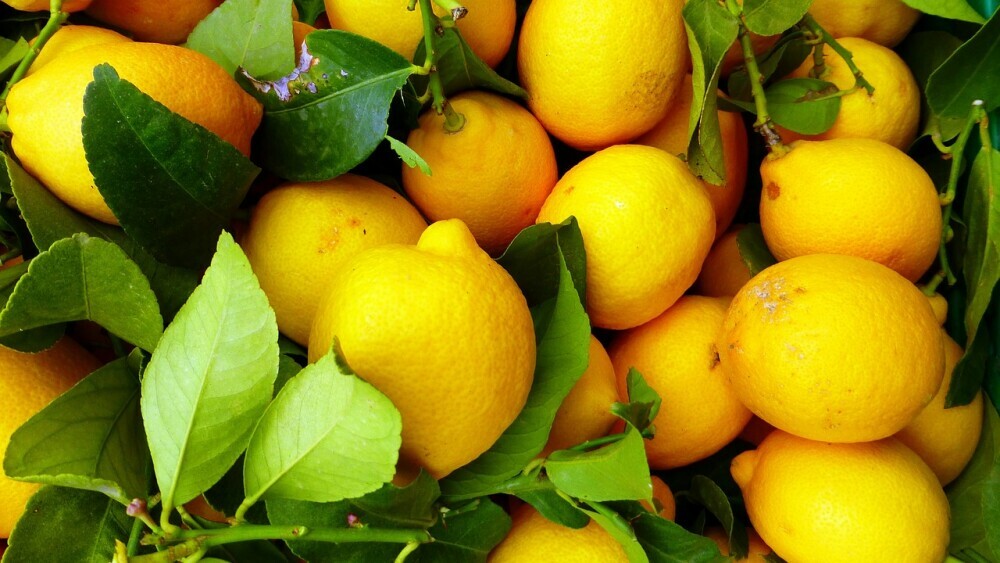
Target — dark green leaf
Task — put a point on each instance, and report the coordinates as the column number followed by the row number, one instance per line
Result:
column 309, row 10
column 562, row 332
column 950, row 9
column 260, row 551
column 924, row 52
column 771, row 17
column 12, row 56
column 772, row 558
column 975, row 496
column 981, row 269
column 210, row 378
column 797, row 104
column 331, row 112
column 711, row 31
column 389, row 507
column 255, row 35
column 172, row 184
column 327, row 436
column 50, row 220
column 705, row 492
column 617, row 471
column 408, row 155
column 465, row 536
column 753, row 249
column 785, row 56
column 643, row 402
column 969, row 74
column 63, row 525
column 666, row 542
column 549, row 503
column 84, row 278
column 89, row 438
column 461, row 69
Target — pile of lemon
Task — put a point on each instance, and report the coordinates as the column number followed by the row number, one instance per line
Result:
column 832, row 359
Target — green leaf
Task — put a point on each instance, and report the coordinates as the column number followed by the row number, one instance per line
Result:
column 969, row 74
column 210, row 378
column 771, row 17
column 327, row 436
column 667, row 542
column 309, row 10
column 50, row 220
column 562, row 333
column 711, row 31
column 705, row 492
column 331, row 112
column 408, row 155
column 981, row 268
column 68, row 525
column 753, row 249
column 89, row 438
column 287, row 369
column 255, row 35
column 796, row 104
column 621, row 531
column 468, row 535
column 227, row 495
column 950, row 9
column 461, row 69
column 549, row 503
column 84, row 278
column 411, row 506
column 643, row 402
column 924, row 52
column 12, row 56
column 172, row 184
column 617, row 471
column 785, row 56
column 975, row 496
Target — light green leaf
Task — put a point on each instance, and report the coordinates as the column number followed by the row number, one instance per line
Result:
column 795, row 104
column 643, row 403
column 617, row 471
column 89, row 438
column 327, row 436
column 408, row 155
column 950, row 9
column 84, row 278
column 623, row 533
column 255, row 35
column 210, row 378
column 13, row 55
column 771, row 17
column 969, row 74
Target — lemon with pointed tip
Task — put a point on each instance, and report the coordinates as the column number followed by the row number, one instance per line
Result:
column 71, row 38
column 443, row 331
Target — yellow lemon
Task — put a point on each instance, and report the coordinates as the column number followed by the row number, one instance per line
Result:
column 28, row 383
column 676, row 354
column 798, row 345
column 444, row 332
column 891, row 114
column 724, row 271
column 830, row 503
column 300, row 234
column 946, row 438
column 940, row 306
column 885, row 22
column 536, row 539
column 44, row 5
column 851, row 196
column 71, row 38
column 493, row 174
column 664, row 504
column 601, row 73
column 46, row 110
column 160, row 21
column 647, row 226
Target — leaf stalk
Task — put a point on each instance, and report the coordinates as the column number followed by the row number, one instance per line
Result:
column 957, row 152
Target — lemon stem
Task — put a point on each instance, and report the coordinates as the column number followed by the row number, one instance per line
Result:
column 764, row 124
column 407, row 550
column 453, row 120
column 133, row 537
column 822, row 36
column 930, row 288
column 957, row 152
column 56, row 19
column 819, row 61
column 455, row 8
column 596, row 443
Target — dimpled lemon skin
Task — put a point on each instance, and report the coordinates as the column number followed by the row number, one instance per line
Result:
column 885, row 22
column 859, row 197
column 647, row 227
column 601, row 73
column 444, row 332
column 676, row 355
column 46, row 110
column 300, row 234
column 890, row 114
column 831, row 503
column 29, row 382
column 160, row 21
column 493, row 174
column 71, row 38
column 946, row 438
column 535, row 539
column 832, row 348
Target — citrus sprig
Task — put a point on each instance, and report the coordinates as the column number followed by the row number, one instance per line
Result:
column 454, row 121
column 819, row 37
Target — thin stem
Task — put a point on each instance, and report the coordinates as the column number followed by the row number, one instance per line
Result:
column 56, row 19
column 819, row 61
column 188, row 519
column 194, row 557
column 597, row 442
column 948, row 197
column 434, row 84
column 134, row 536
column 241, row 511
column 930, row 288
column 816, row 29
column 837, row 94
column 407, row 550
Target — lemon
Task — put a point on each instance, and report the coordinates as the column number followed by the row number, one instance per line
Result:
column 44, row 5
column 46, row 110
column 647, row 226
column 757, row 552
column 724, row 271
column 797, row 344
column 160, row 21
column 817, row 501
column 71, row 38
column 665, row 506
column 535, row 539
column 885, row 22
column 601, row 73
column 443, row 331
column 300, row 234
column 859, row 197
column 493, row 174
